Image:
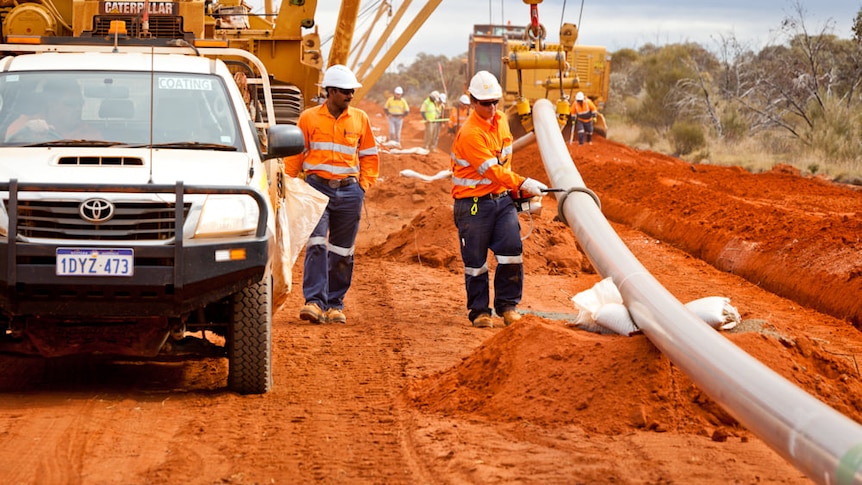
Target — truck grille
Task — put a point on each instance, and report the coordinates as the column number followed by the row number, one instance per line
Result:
column 161, row 27
column 132, row 221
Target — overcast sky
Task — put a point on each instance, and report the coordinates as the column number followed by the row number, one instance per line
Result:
column 613, row 24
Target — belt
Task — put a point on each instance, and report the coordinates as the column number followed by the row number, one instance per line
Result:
column 494, row 196
column 332, row 183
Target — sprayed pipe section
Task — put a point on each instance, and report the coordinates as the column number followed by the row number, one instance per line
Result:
column 820, row 442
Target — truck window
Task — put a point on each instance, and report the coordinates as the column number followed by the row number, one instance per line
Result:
column 117, row 107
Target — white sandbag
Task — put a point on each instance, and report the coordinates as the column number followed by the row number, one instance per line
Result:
column 305, row 206
column 616, row 318
column 716, row 311
column 427, row 178
column 296, row 215
column 591, row 307
column 591, row 300
column 585, row 322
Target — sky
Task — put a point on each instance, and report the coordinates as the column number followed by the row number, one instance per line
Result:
column 613, row 24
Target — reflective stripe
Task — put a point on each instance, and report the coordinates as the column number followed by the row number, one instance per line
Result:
column 368, row 151
column 486, row 165
column 469, row 182
column 344, row 252
column 316, row 241
column 321, row 241
column 331, row 147
column 476, row 271
column 460, row 161
column 335, row 170
column 509, row 259
column 506, row 152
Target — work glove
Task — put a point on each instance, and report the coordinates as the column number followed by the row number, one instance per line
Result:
column 533, row 187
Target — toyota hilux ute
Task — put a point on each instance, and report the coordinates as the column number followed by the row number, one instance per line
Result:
column 135, row 219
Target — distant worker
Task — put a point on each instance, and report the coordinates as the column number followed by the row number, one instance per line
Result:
column 441, row 117
column 458, row 114
column 396, row 109
column 584, row 113
column 341, row 161
column 430, row 115
column 484, row 212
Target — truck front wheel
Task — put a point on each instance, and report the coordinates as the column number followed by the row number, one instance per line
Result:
column 250, row 340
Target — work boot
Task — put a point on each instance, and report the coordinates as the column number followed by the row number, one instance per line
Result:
column 334, row 315
column 510, row 317
column 483, row 321
column 312, row 313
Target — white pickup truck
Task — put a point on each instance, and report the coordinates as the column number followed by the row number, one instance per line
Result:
column 135, row 217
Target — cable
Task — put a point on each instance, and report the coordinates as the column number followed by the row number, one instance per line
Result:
column 580, row 14
column 563, row 14
column 529, row 231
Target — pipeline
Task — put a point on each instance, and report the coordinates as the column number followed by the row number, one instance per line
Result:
column 819, row 441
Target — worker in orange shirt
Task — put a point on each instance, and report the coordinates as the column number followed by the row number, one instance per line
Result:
column 458, row 114
column 484, row 212
column 341, row 161
column 584, row 113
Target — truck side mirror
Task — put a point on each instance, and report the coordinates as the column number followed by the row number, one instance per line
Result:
column 284, row 141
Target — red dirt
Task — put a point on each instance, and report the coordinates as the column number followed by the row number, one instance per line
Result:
column 408, row 392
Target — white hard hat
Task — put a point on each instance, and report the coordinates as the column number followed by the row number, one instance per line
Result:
column 398, row 90
column 464, row 99
column 434, row 95
column 443, row 98
column 339, row 76
column 484, row 85
column 579, row 96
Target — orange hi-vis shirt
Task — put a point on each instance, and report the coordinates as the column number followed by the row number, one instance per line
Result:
column 336, row 148
column 481, row 158
column 458, row 115
column 584, row 110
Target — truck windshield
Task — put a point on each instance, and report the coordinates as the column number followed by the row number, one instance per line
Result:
column 173, row 110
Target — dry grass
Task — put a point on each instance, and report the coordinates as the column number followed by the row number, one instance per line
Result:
column 755, row 154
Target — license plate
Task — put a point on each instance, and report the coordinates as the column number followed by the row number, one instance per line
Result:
column 95, row 262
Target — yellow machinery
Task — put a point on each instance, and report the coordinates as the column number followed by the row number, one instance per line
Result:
column 292, row 58
column 287, row 43
column 529, row 68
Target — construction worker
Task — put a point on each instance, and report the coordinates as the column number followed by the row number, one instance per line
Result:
column 341, row 161
column 458, row 114
column 484, row 212
column 584, row 113
column 396, row 109
column 430, row 115
column 441, row 117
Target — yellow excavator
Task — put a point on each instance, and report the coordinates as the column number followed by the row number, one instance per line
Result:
column 530, row 68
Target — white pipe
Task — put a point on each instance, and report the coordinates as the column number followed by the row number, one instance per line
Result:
column 819, row 441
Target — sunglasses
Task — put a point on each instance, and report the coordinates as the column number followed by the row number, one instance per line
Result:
column 346, row 92
column 490, row 102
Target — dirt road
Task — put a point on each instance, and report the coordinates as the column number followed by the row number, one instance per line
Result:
column 407, row 392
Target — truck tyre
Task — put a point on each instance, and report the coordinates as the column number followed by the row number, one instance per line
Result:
column 250, row 340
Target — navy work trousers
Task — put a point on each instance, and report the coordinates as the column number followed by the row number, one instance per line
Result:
column 484, row 224
column 329, row 260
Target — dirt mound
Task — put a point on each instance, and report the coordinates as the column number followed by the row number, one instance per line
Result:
column 432, row 239
column 549, row 375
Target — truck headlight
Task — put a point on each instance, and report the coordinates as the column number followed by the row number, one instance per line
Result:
column 227, row 215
